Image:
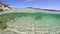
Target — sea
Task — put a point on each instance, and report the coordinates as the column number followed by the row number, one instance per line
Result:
column 32, row 23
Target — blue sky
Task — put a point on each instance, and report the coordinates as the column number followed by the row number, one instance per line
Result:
column 48, row 4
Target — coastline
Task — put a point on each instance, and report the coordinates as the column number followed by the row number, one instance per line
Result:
column 29, row 10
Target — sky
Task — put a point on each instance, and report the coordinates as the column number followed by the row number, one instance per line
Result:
column 45, row 4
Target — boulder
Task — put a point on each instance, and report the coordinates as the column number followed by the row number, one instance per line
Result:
column 4, row 7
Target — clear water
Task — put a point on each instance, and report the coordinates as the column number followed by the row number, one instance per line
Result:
column 26, row 23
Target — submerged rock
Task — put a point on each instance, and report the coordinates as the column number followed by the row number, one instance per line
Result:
column 5, row 19
column 3, row 25
column 38, row 17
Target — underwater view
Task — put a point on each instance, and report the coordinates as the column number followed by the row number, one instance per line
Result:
column 29, row 23
column 29, row 16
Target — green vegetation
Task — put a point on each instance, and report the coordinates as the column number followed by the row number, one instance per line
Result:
column 4, row 19
column 38, row 17
column 3, row 26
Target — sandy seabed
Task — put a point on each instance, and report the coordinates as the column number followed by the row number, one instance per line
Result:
column 49, row 23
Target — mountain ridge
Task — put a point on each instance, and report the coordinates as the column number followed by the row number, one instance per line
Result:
column 38, row 9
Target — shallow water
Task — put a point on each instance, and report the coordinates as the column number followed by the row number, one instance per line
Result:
column 33, row 23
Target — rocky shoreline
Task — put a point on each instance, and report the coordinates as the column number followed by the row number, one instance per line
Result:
column 4, row 7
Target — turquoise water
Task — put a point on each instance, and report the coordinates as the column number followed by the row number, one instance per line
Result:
column 34, row 23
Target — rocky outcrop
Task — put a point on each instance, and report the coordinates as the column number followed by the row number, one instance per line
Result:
column 4, row 7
